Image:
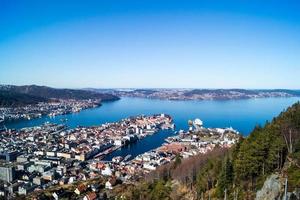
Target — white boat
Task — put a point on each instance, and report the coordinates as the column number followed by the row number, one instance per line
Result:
column 127, row 157
column 117, row 159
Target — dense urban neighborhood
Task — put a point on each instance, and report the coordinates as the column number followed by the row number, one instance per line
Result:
column 52, row 156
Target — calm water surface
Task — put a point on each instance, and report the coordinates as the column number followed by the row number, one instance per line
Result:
column 242, row 115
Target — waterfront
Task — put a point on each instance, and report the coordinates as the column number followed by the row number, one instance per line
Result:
column 242, row 115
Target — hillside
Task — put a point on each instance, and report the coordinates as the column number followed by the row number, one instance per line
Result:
column 31, row 94
column 8, row 99
column 271, row 153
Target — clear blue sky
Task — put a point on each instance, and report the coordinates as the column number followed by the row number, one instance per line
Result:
column 185, row 44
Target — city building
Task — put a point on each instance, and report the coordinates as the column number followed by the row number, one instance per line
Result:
column 7, row 173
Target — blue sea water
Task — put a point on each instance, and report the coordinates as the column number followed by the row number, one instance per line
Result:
column 242, row 115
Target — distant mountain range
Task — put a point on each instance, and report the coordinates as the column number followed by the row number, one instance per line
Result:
column 200, row 94
column 11, row 95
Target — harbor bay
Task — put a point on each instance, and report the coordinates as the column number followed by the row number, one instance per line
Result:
column 241, row 115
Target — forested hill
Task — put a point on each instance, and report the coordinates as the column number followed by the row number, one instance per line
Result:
column 8, row 99
column 239, row 173
column 30, row 94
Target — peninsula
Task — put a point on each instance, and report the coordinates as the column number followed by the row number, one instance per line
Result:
column 32, row 101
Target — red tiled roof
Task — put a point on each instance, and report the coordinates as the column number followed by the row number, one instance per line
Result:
column 81, row 187
column 91, row 196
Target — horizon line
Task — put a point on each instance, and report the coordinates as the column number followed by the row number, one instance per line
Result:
column 149, row 88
